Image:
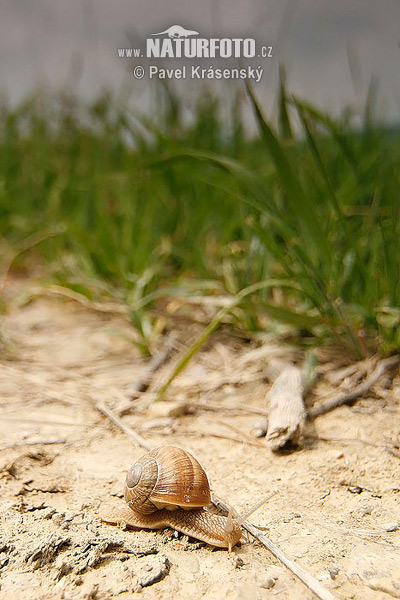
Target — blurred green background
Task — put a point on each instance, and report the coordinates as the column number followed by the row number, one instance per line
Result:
column 293, row 230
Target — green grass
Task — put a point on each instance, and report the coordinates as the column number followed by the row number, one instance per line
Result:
column 300, row 230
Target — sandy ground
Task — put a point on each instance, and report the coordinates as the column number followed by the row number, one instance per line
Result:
column 336, row 513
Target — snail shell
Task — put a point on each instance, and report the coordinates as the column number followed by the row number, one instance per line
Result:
column 166, row 477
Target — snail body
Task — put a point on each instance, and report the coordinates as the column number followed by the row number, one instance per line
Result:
column 167, row 487
column 197, row 523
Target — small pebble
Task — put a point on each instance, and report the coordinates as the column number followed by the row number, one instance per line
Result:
column 165, row 409
column 355, row 489
column 333, row 573
column 268, row 583
column 391, row 527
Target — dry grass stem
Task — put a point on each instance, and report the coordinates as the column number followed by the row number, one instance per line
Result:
column 135, row 437
column 153, row 366
column 392, row 448
column 204, row 434
column 245, row 436
column 209, row 406
column 349, row 396
column 64, row 292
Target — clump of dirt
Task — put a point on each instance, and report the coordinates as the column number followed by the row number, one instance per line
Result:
column 336, row 511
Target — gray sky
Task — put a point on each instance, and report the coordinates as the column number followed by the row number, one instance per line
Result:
column 43, row 41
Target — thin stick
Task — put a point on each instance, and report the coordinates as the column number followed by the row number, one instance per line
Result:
column 41, row 421
column 248, row 439
column 203, row 434
column 303, row 575
column 344, row 397
column 153, row 366
column 231, row 379
column 306, row 578
column 318, row 438
column 213, row 407
column 33, row 443
column 220, row 436
column 131, row 433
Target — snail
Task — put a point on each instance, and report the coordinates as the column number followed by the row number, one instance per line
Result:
column 167, row 487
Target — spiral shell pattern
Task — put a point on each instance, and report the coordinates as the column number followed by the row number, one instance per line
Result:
column 166, row 477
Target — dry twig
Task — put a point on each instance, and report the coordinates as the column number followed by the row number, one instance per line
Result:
column 349, row 396
column 228, row 407
column 153, row 366
column 215, row 381
column 221, row 436
column 33, row 443
column 392, row 448
column 246, row 438
column 41, row 421
column 131, row 433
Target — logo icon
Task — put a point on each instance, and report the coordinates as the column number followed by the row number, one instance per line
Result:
column 176, row 31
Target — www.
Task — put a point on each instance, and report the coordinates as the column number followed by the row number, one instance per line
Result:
column 128, row 52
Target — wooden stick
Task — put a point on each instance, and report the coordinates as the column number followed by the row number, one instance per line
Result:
column 392, row 449
column 205, row 434
column 212, row 406
column 231, row 379
column 135, row 389
column 41, row 421
column 346, row 397
column 33, row 443
column 306, row 578
column 246, row 438
column 287, row 413
column 131, row 433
